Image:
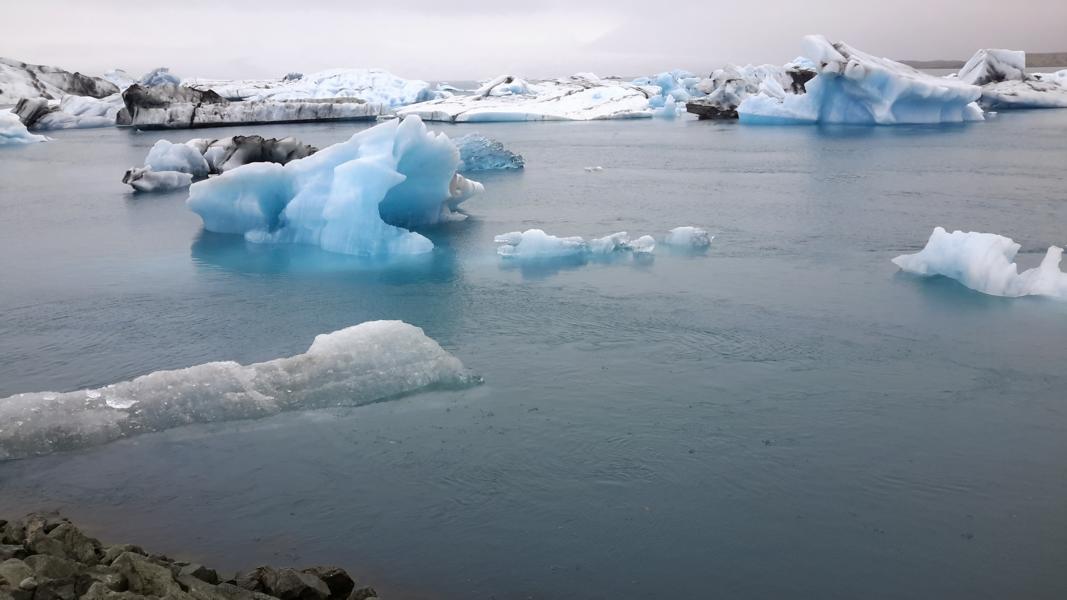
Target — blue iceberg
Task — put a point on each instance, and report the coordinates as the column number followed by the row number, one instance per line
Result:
column 855, row 87
column 479, row 153
column 357, row 197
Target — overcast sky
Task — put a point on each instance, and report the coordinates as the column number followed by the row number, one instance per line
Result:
column 472, row 39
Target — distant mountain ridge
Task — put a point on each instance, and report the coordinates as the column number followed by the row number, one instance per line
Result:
column 1033, row 60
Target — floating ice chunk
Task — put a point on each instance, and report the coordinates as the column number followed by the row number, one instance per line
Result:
column 72, row 112
column 166, row 156
column 1005, row 83
column 350, row 367
column 729, row 86
column 581, row 97
column 596, row 169
column 985, row 263
column 854, row 87
column 147, row 180
column 688, row 237
column 353, row 198
column 12, row 131
column 479, row 153
column 535, row 243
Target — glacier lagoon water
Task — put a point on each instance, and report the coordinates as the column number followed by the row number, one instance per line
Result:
column 784, row 416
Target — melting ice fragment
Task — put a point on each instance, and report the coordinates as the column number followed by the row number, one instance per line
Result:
column 355, row 197
column 688, row 237
column 479, row 153
column 985, row 263
column 350, row 367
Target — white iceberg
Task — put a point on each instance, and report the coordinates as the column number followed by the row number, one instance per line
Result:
column 688, row 237
column 159, row 76
column 13, row 132
column 581, row 97
column 855, row 87
column 726, row 88
column 144, row 179
column 374, row 86
column 21, row 80
column 536, row 244
column 480, row 153
column 1006, row 84
column 358, row 365
column 355, row 197
column 985, row 263
column 167, row 163
column 183, row 158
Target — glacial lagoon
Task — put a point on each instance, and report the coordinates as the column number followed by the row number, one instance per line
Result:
column 783, row 415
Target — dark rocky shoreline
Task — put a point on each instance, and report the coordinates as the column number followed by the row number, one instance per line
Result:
column 45, row 557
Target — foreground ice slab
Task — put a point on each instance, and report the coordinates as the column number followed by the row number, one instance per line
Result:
column 855, row 87
column 361, row 364
column 581, row 97
column 21, row 80
column 355, row 197
column 985, row 263
column 1006, row 84
column 479, row 153
column 375, row 86
column 144, row 179
column 13, row 132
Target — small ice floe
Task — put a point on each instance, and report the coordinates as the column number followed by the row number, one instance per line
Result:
column 536, row 244
column 594, row 169
column 688, row 237
column 985, row 262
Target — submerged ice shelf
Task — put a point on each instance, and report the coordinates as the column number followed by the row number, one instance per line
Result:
column 355, row 197
column 985, row 262
column 350, row 367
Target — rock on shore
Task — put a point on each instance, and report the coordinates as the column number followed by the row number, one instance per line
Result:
column 45, row 557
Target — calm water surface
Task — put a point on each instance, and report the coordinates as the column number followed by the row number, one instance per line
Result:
column 785, row 416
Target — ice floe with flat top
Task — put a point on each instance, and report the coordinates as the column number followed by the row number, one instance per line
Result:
column 13, row 132
column 688, row 237
column 358, row 365
column 536, row 244
column 580, row 97
column 853, row 87
column 985, row 262
column 355, row 197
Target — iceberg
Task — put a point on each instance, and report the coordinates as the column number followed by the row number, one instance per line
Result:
column 479, row 153
column 854, row 87
column 374, row 86
column 13, row 132
column 21, row 80
column 200, row 157
column 984, row 262
column 688, row 237
column 72, row 112
column 168, row 106
column 158, row 77
column 581, row 97
column 358, row 365
column 1006, row 84
column 536, row 244
column 726, row 88
column 144, row 179
column 355, row 197
column 119, row 78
